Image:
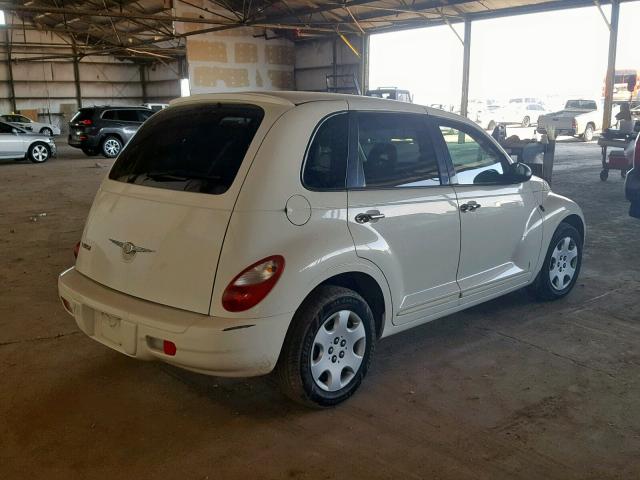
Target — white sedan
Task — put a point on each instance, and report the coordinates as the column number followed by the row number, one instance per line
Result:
column 294, row 230
column 30, row 125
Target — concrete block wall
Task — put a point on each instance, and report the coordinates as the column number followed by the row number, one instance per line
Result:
column 235, row 60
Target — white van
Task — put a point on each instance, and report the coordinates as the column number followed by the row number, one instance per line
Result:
column 291, row 231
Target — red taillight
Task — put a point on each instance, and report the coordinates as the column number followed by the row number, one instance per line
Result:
column 169, row 348
column 251, row 285
column 86, row 122
column 76, row 250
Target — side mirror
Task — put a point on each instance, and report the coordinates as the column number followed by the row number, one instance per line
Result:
column 518, row 172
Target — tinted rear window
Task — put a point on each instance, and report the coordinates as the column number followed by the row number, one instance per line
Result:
column 83, row 114
column 190, row 148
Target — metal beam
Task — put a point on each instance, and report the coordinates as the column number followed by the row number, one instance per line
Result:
column 76, row 78
column 12, row 90
column 143, row 83
column 466, row 60
column 611, row 65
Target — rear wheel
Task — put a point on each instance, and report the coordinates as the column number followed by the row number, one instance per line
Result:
column 47, row 131
column 90, row 152
column 328, row 348
column 111, row 146
column 38, row 152
column 526, row 121
column 587, row 136
column 561, row 265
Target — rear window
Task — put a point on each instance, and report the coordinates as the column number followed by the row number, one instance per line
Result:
column 83, row 114
column 190, row 148
column 582, row 104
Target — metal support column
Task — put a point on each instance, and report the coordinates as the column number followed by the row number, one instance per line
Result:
column 143, row 83
column 12, row 90
column 364, row 64
column 611, row 66
column 76, row 77
column 466, row 59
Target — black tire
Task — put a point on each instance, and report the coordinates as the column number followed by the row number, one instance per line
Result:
column 47, row 131
column 526, row 121
column 39, row 152
column 587, row 136
column 90, row 152
column 111, row 146
column 543, row 288
column 294, row 372
column 604, row 174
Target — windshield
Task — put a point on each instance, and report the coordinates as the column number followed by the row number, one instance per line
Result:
column 190, row 148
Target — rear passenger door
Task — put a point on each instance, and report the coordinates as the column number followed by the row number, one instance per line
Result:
column 402, row 215
column 500, row 220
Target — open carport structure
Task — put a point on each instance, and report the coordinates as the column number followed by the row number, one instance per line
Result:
column 510, row 389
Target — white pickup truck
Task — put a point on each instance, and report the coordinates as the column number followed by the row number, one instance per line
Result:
column 580, row 118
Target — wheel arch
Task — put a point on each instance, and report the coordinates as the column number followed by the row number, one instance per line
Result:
column 576, row 222
column 365, row 286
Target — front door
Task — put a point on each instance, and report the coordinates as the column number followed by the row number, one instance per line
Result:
column 402, row 215
column 500, row 241
column 11, row 144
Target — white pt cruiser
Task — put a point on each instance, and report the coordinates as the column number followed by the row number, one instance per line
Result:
column 238, row 234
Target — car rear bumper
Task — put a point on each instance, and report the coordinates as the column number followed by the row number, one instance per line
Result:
column 138, row 328
column 561, row 131
column 88, row 142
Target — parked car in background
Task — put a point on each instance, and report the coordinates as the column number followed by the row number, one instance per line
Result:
column 105, row 129
column 30, row 125
column 626, row 86
column 156, row 107
column 17, row 143
column 391, row 93
column 252, row 237
column 581, row 118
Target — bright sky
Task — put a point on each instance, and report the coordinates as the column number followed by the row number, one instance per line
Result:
column 561, row 53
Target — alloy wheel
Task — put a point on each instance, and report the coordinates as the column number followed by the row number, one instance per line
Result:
column 112, row 147
column 40, row 153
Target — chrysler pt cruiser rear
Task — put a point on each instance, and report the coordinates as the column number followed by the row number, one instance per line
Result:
column 240, row 234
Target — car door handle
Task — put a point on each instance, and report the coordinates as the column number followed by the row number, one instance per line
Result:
column 369, row 216
column 470, row 206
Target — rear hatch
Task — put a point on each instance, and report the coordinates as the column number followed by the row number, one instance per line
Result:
column 81, row 123
column 157, row 224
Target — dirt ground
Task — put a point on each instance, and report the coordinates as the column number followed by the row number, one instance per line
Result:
column 512, row 389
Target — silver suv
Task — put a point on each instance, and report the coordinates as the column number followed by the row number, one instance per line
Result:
column 17, row 143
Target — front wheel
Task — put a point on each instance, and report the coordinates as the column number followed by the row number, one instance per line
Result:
column 38, row 152
column 111, row 147
column 328, row 348
column 561, row 265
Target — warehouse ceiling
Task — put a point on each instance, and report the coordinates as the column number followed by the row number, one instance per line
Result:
column 144, row 30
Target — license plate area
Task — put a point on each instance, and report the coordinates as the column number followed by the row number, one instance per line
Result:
column 116, row 332
column 110, row 328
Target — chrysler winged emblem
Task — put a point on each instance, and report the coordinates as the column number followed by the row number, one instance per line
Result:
column 129, row 249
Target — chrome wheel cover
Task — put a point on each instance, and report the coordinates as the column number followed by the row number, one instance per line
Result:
column 112, row 147
column 338, row 350
column 40, row 153
column 563, row 263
